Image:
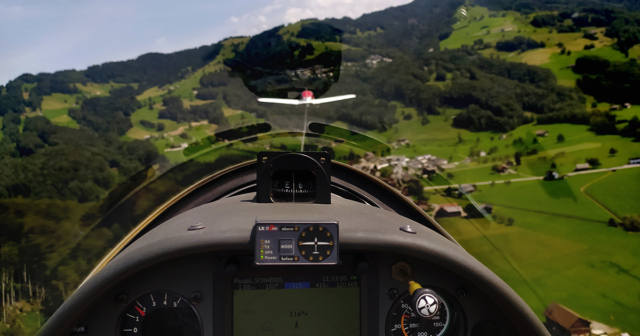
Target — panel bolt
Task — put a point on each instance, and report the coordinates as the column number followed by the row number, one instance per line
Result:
column 196, row 227
column 408, row 229
column 461, row 292
column 392, row 293
column 122, row 299
column 195, row 297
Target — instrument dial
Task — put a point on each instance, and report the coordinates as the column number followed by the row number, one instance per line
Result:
column 160, row 313
column 296, row 186
column 403, row 321
column 316, row 243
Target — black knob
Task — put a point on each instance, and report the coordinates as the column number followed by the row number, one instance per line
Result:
column 425, row 302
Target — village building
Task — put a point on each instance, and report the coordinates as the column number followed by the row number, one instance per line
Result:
column 542, row 133
column 582, row 166
column 465, row 189
column 488, row 208
column 551, row 175
column 502, row 136
column 634, row 161
column 614, row 108
column 448, row 210
column 503, row 169
column 560, row 320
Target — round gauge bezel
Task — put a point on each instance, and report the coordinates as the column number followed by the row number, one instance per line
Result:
column 407, row 297
column 119, row 332
column 319, row 227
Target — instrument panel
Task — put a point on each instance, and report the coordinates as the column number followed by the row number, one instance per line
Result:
column 230, row 295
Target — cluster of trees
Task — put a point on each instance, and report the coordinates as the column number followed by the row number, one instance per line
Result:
column 319, row 31
column 49, row 161
column 568, row 6
column 519, row 43
column 615, row 15
column 106, row 115
column 412, row 29
column 609, row 81
column 546, row 20
column 154, row 68
column 175, row 110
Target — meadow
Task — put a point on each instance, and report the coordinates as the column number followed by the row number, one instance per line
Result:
column 614, row 193
column 546, row 255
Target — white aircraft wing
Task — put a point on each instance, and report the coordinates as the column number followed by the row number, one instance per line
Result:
column 280, row 101
column 332, row 99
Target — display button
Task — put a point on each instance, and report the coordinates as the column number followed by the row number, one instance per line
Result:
column 286, row 246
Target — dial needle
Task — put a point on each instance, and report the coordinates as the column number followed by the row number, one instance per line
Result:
column 140, row 311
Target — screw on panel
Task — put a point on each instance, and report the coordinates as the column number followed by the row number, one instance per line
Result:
column 392, row 293
column 231, row 269
column 461, row 292
column 408, row 229
column 122, row 299
column 195, row 297
column 196, row 227
column 264, row 159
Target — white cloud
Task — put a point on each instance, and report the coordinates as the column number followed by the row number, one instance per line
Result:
column 161, row 40
column 278, row 12
column 296, row 14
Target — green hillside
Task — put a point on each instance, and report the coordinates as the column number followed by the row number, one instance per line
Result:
column 78, row 146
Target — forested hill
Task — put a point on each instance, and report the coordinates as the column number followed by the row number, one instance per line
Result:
column 530, row 6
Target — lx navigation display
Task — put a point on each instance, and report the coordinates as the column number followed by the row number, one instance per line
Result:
column 297, row 305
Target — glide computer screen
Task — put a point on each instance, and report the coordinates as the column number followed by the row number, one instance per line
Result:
column 297, row 305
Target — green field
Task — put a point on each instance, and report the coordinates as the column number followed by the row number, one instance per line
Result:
column 508, row 25
column 58, row 101
column 556, row 256
column 60, row 117
column 614, row 193
column 95, row 89
column 559, row 63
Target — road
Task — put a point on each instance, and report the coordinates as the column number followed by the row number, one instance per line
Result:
column 539, row 177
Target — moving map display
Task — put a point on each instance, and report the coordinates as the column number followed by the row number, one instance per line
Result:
column 297, row 305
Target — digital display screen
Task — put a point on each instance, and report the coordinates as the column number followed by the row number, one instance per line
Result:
column 297, row 305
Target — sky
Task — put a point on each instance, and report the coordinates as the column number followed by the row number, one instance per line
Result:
column 50, row 35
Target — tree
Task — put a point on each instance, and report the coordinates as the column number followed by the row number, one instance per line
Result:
column 472, row 211
column 450, row 176
column 613, row 151
column 612, row 222
column 518, row 157
column 594, row 162
column 510, row 221
column 631, row 223
column 560, row 138
column 160, row 127
column 553, row 165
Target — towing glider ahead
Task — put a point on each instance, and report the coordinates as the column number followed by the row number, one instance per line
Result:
column 306, row 97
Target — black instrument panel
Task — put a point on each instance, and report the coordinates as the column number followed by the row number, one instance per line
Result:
column 229, row 295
